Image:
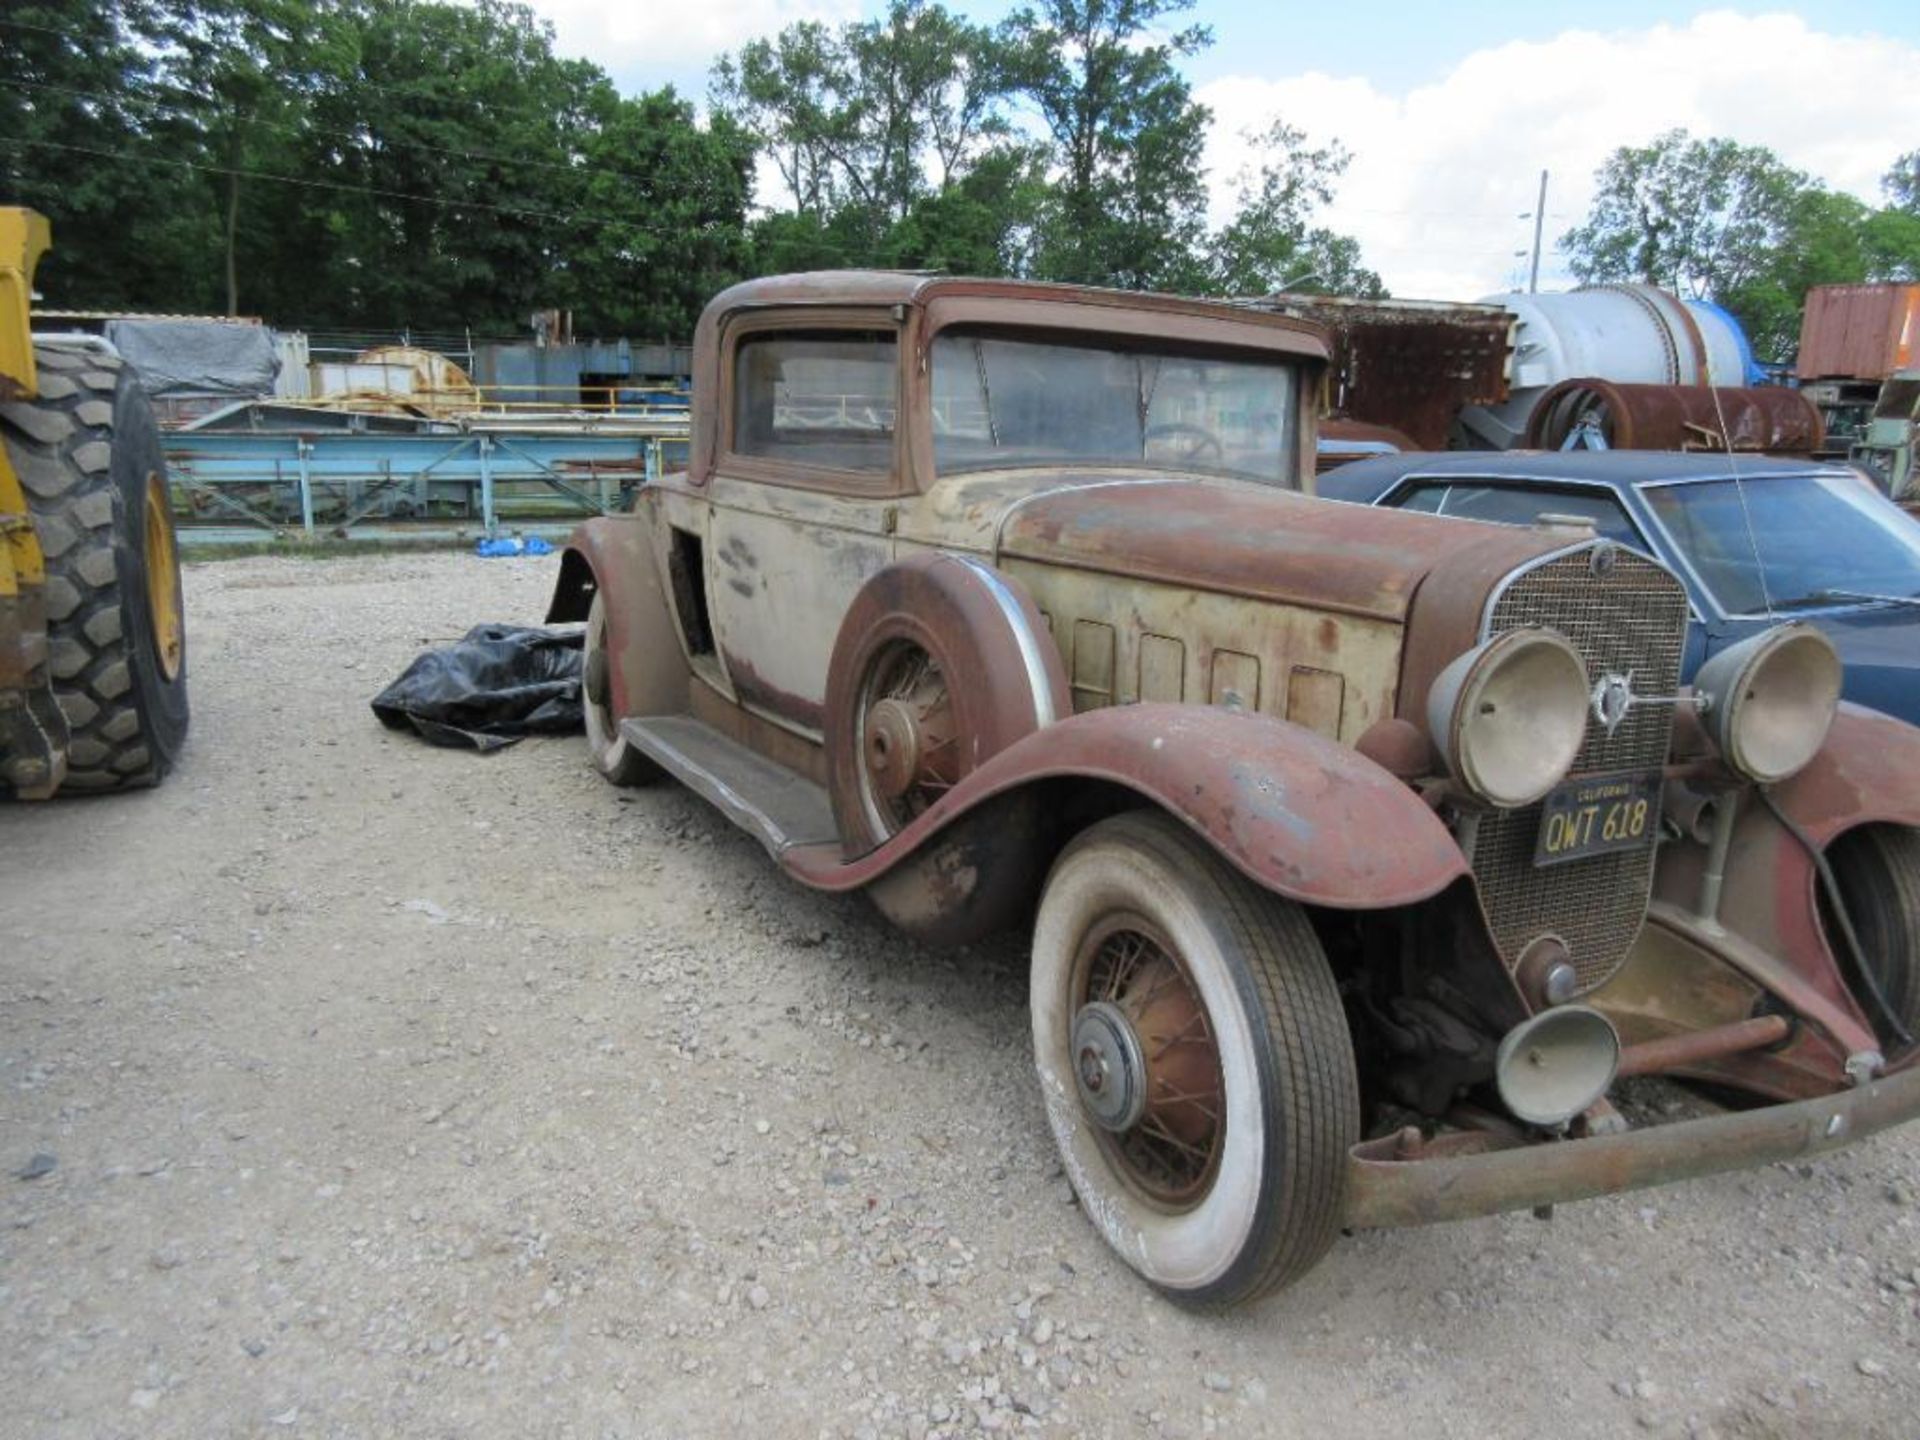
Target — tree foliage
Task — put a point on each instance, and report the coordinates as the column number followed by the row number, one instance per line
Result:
column 1271, row 243
column 1717, row 220
column 378, row 164
column 1061, row 144
column 360, row 163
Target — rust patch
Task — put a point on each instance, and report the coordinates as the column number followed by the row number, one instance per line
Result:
column 1264, row 544
column 755, row 690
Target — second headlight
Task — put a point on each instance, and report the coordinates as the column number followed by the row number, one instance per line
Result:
column 1509, row 716
column 1771, row 699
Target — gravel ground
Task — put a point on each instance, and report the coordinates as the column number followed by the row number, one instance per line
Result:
column 399, row 1091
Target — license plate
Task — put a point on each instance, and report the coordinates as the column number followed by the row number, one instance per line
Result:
column 1597, row 815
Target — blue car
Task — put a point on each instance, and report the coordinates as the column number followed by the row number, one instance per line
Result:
column 1756, row 541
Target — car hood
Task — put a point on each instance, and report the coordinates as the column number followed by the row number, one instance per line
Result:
column 1263, row 543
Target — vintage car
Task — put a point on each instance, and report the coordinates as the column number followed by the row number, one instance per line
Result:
column 1754, row 540
column 1362, row 851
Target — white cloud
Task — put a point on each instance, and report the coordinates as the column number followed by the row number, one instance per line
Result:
column 1441, row 173
column 644, row 42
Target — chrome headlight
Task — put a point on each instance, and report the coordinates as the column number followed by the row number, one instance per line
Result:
column 1509, row 716
column 1770, row 701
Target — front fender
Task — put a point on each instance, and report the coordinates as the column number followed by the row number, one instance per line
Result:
column 1868, row 770
column 1298, row 813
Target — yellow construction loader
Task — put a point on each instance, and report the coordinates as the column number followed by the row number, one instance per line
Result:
column 93, row 655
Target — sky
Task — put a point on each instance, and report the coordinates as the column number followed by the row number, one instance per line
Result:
column 1451, row 110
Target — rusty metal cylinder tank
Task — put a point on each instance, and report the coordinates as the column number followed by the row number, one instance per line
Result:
column 1764, row 419
column 1626, row 334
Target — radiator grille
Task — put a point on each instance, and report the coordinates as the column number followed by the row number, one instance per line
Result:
column 1630, row 620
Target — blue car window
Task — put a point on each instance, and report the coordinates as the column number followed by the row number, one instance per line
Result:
column 1429, row 498
column 1820, row 537
column 1525, row 504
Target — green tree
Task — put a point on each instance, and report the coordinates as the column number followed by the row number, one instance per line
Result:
column 667, row 200
column 1714, row 219
column 1272, row 243
column 1129, row 196
column 234, row 78
column 985, row 222
column 76, row 143
column 1901, row 183
column 866, row 121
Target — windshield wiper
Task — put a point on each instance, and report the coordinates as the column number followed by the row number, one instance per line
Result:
column 1858, row 597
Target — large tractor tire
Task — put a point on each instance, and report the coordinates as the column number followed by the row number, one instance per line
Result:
column 87, row 452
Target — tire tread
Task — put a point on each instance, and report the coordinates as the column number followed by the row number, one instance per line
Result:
column 60, row 446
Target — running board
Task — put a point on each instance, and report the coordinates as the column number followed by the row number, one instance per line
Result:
column 777, row 807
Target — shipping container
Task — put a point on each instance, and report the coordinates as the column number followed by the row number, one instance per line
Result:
column 1858, row 332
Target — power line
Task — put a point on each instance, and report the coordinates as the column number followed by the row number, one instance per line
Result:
column 571, row 216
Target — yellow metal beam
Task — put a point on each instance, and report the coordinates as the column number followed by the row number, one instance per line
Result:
column 24, row 238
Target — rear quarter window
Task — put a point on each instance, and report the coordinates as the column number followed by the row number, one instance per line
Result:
column 826, row 398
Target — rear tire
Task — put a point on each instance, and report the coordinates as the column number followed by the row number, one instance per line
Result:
column 613, row 754
column 88, row 454
column 1195, row 1062
column 1877, row 868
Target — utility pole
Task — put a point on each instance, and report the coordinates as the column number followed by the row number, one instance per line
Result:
column 1539, row 220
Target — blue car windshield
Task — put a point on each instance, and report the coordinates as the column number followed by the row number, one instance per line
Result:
column 1783, row 541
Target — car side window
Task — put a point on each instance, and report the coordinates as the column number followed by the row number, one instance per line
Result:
column 1429, row 498
column 1525, row 504
column 823, row 398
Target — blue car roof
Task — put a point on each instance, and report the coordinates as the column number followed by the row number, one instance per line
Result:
column 1364, row 481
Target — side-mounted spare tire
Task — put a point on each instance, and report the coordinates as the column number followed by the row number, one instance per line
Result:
column 87, row 452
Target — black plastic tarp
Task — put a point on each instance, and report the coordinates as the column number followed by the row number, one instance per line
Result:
column 497, row 684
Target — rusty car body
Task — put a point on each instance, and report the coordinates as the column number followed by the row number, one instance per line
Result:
column 1362, row 849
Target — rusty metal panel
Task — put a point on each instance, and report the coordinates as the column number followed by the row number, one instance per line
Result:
column 1222, row 643
column 1314, row 699
column 1163, row 668
column 1757, row 419
column 1405, row 1180
column 1408, row 364
column 1256, row 542
column 1299, row 814
column 1858, row 332
column 1092, row 664
column 1233, row 678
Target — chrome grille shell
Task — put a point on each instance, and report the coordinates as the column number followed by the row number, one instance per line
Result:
column 1626, row 615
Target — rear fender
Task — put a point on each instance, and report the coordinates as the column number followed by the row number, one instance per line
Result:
column 1297, row 813
column 613, row 556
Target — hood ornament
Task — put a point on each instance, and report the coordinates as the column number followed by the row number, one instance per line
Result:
column 1613, row 701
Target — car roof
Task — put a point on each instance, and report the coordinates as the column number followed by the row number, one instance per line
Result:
column 919, row 287
column 1364, row 481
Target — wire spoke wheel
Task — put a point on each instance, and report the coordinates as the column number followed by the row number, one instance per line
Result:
column 1170, row 1144
column 908, row 737
column 1195, row 1061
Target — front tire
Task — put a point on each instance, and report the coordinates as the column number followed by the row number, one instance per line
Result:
column 88, row 454
column 1195, row 1062
column 1877, row 868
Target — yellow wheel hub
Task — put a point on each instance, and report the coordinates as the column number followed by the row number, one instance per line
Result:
column 163, row 580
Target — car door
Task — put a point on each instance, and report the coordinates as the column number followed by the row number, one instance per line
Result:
column 802, row 501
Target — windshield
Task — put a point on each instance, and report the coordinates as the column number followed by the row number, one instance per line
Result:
column 1820, row 539
column 1000, row 401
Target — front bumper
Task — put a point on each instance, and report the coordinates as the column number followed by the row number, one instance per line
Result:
column 1401, row 1180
